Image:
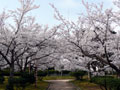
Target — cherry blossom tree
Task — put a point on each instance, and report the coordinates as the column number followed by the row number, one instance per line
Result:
column 93, row 35
column 22, row 39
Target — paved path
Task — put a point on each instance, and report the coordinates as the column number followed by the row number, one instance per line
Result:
column 61, row 85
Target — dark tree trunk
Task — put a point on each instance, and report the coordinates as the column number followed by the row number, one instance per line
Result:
column 12, row 70
column 118, row 74
column 36, row 78
column 29, row 68
column 10, row 85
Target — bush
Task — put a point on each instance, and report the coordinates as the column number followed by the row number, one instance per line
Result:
column 22, row 81
column 52, row 72
column 107, row 82
column 28, row 78
column 6, row 72
column 114, row 84
column 66, row 72
column 78, row 74
column 42, row 74
column 10, row 85
column 2, row 79
column 17, row 73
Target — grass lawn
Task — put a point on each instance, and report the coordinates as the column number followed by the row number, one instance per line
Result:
column 2, row 86
column 86, row 85
column 41, row 85
column 57, row 77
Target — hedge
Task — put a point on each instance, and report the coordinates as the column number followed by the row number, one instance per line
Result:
column 78, row 74
column 107, row 82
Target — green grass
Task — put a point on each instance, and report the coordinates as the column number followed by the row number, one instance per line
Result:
column 57, row 77
column 2, row 86
column 86, row 85
column 41, row 85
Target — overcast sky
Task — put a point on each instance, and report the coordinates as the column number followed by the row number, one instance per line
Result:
column 45, row 14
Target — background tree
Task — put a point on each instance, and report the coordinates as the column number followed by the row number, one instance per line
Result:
column 93, row 35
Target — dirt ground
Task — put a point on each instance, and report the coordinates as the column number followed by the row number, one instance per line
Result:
column 61, row 85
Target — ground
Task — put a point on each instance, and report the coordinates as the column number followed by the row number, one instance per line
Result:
column 61, row 85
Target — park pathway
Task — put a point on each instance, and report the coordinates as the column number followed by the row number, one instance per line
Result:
column 61, row 85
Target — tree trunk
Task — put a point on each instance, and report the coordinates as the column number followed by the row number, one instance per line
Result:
column 10, row 85
column 12, row 70
column 89, row 71
column 29, row 68
column 118, row 74
column 61, row 73
column 89, row 75
column 36, row 78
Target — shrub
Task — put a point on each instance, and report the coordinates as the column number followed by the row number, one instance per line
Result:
column 28, row 78
column 2, row 79
column 42, row 74
column 51, row 72
column 78, row 74
column 17, row 73
column 10, row 85
column 107, row 82
column 22, row 81
column 6, row 72
column 66, row 72
column 114, row 84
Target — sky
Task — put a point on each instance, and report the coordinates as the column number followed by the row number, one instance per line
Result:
column 70, row 9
